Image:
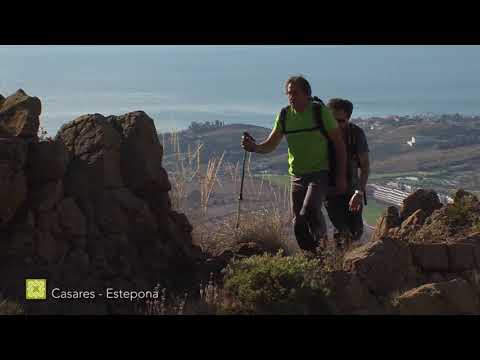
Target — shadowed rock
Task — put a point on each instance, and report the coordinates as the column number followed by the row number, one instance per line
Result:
column 426, row 200
column 455, row 297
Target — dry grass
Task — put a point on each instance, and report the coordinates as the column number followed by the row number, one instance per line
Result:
column 264, row 223
column 209, row 180
column 210, row 300
column 266, row 228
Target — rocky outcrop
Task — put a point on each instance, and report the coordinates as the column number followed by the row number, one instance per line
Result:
column 383, row 266
column 426, row 200
column 455, row 297
column 13, row 183
column 19, row 115
column 87, row 210
column 408, row 273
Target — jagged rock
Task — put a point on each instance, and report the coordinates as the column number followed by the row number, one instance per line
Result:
column 94, row 149
column 50, row 248
column 347, row 294
column 79, row 259
column 389, row 220
column 44, row 197
column 22, row 244
column 430, row 257
column 24, row 220
column 427, row 200
column 140, row 141
column 417, row 218
column 461, row 257
column 181, row 221
column 47, row 162
column 13, row 183
column 49, row 222
column 453, row 297
column 384, row 265
column 80, row 223
column 78, row 242
column 19, row 115
column 71, row 219
column 119, row 211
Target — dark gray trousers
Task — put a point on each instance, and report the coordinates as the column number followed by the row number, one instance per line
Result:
column 308, row 193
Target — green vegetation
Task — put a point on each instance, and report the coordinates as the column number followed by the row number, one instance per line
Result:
column 276, row 284
column 461, row 211
column 281, row 180
column 373, row 211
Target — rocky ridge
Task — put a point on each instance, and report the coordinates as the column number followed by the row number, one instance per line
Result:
column 89, row 209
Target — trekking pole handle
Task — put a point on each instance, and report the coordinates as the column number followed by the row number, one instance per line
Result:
column 248, row 136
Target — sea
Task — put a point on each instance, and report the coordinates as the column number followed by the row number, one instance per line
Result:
column 176, row 85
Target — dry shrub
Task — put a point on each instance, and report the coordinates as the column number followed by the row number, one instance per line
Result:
column 8, row 307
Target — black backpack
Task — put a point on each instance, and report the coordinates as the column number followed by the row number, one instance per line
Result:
column 317, row 113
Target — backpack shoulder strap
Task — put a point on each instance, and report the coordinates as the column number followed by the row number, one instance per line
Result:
column 317, row 114
column 283, row 119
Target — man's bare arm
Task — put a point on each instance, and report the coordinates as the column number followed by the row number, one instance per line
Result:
column 266, row 146
column 336, row 137
column 364, row 169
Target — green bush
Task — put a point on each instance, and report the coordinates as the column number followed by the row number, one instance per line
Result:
column 462, row 210
column 276, row 284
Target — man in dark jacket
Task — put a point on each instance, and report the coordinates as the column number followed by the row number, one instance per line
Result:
column 345, row 210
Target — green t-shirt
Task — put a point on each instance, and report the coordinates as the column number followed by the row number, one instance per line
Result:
column 307, row 151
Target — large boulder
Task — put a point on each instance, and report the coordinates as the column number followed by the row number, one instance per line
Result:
column 19, row 115
column 455, row 297
column 44, row 197
column 94, row 148
column 384, row 265
column 347, row 294
column 13, row 183
column 47, row 162
column 390, row 219
column 461, row 257
column 119, row 211
column 430, row 257
column 52, row 250
column 71, row 218
column 140, row 141
column 427, row 200
column 89, row 209
column 416, row 219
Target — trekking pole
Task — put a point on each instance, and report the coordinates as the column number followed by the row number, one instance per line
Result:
column 240, row 197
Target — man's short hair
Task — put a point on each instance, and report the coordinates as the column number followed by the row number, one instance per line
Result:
column 301, row 82
column 341, row 104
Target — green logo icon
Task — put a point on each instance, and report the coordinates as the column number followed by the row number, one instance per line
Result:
column 36, row 289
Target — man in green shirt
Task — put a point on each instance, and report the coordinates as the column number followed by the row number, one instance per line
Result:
column 308, row 159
